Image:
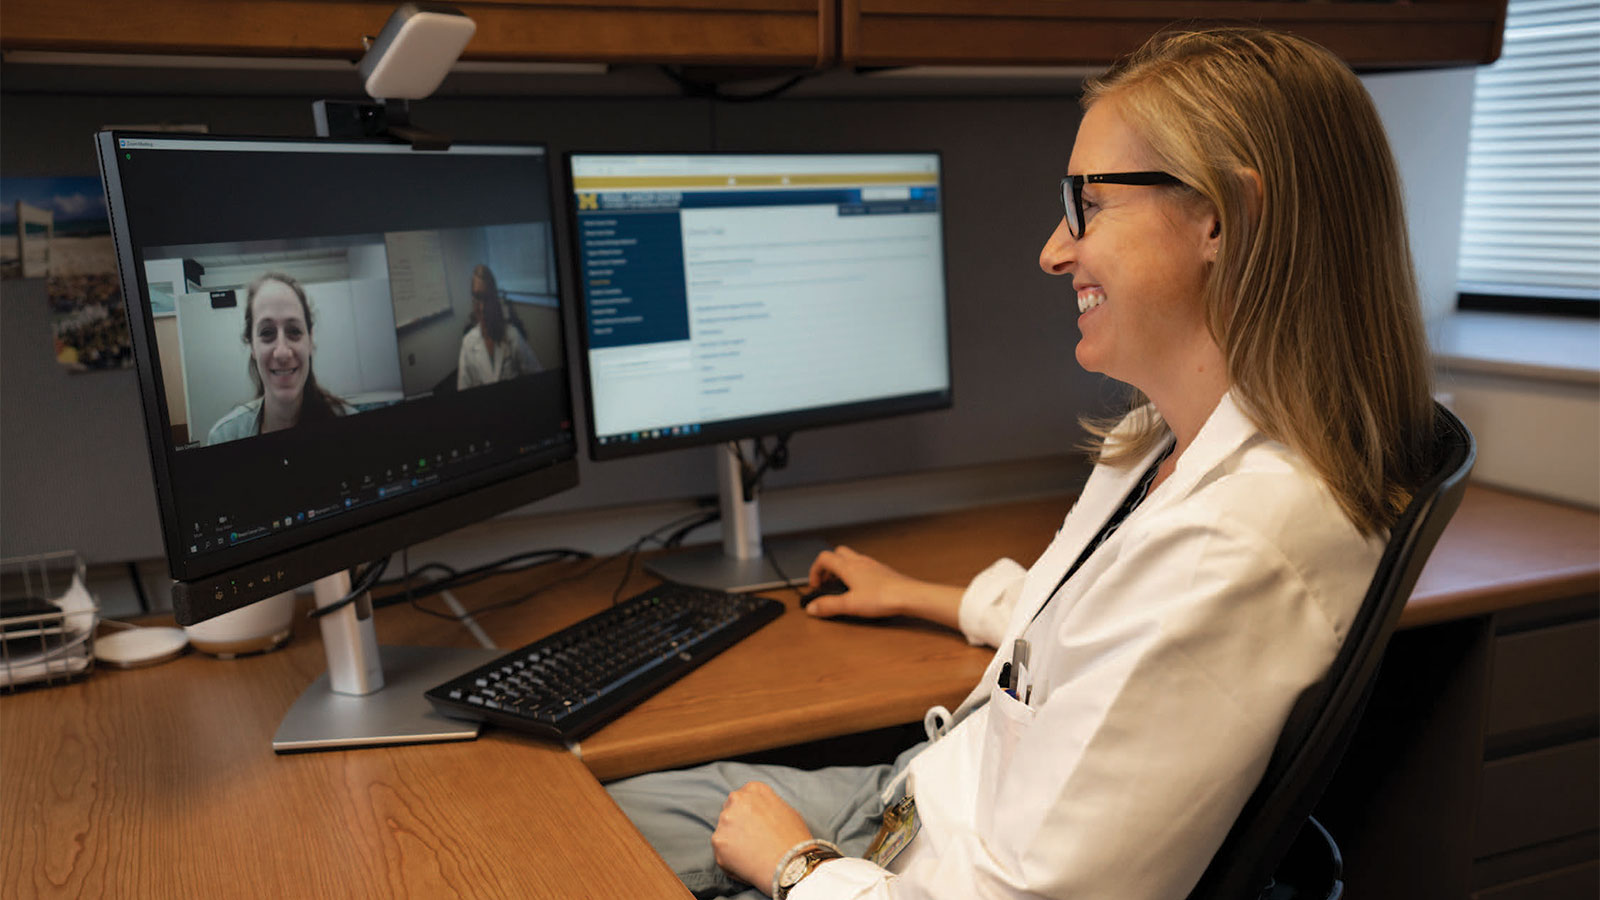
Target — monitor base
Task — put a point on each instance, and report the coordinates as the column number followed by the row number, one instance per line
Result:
column 711, row 567
column 398, row 713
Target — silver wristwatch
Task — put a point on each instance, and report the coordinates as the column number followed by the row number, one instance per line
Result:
column 800, row 861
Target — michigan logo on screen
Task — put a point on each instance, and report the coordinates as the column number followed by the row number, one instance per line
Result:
column 588, row 201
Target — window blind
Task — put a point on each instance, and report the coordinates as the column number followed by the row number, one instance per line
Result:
column 1531, row 223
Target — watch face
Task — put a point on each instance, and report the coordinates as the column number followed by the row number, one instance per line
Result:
column 794, row 871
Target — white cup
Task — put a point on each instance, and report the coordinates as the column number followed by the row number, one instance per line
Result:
column 263, row 625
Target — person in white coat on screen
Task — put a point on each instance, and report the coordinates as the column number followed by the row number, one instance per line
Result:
column 1234, row 234
column 493, row 349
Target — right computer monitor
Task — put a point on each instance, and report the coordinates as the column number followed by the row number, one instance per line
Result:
column 729, row 296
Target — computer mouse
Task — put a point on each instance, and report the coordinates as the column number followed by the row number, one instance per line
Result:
column 831, row 586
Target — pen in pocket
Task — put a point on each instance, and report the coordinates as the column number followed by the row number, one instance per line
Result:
column 1021, row 684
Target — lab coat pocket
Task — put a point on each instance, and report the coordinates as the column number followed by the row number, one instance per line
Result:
column 1009, row 721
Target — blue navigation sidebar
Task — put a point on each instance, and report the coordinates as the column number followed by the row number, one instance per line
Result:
column 633, row 284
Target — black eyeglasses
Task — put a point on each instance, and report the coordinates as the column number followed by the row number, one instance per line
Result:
column 1072, row 192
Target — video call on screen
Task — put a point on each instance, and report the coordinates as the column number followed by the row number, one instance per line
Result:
column 431, row 327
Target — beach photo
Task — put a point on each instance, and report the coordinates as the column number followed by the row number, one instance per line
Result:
column 56, row 228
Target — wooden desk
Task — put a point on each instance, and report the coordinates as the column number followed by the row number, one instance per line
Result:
column 1502, row 551
column 162, row 782
column 803, row 679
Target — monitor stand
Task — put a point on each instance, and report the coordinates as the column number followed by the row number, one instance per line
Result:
column 742, row 563
column 372, row 696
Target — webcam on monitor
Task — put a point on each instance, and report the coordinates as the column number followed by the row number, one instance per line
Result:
column 406, row 61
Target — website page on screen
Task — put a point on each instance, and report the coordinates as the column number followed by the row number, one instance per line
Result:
column 728, row 287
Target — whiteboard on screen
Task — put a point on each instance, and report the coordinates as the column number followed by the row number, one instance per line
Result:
column 417, row 284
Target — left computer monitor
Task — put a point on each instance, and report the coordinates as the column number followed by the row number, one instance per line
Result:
column 343, row 348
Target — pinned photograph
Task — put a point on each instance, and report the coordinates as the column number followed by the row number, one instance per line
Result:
column 56, row 228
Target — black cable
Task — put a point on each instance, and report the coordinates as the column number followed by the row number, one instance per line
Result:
column 750, row 475
column 455, row 579
column 634, row 548
column 477, row 572
column 676, row 538
column 585, row 572
column 413, row 600
column 627, row 572
column 413, row 594
column 772, row 560
column 671, row 540
column 449, row 571
column 138, row 586
column 362, row 584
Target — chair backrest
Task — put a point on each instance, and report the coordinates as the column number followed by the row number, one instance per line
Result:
column 1320, row 726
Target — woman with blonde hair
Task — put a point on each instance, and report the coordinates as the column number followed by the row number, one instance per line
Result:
column 1233, row 228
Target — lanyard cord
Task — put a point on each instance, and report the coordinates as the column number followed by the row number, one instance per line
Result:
column 1129, row 504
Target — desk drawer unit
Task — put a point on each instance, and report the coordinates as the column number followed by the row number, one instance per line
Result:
column 1538, row 821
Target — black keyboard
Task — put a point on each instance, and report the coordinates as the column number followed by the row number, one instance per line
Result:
column 572, row 682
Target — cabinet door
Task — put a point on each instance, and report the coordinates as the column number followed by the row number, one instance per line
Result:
column 1368, row 35
column 798, row 33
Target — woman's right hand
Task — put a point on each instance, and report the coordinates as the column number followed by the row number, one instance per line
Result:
column 876, row 590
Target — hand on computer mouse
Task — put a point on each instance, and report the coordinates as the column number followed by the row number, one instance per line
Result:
column 830, row 587
column 847, row 583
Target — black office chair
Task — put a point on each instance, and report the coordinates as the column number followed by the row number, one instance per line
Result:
column 1276, row 850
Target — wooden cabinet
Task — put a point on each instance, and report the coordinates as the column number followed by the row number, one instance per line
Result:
column 798, row 34
column 1539, row 793
column 1369, row 35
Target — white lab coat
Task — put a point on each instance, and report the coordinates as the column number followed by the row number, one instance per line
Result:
column 512, row 357
column 1161, row 675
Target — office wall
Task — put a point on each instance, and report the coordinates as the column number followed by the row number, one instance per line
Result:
column 74, row 473
column 1536, row 435
column 1018, row 391
column 1428, row 116
column 1537, row 424
column 542, row 327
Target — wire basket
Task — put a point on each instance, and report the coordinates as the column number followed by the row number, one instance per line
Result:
column 47, row 620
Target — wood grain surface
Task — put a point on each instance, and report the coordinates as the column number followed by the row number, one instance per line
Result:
column 162, row 782
column 798, row 33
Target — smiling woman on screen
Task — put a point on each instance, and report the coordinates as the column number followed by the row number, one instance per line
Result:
column 278, row 329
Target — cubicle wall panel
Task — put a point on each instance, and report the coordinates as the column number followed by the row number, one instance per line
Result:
column 72, row 446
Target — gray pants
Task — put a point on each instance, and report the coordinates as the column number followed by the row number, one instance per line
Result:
column 677, row 811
